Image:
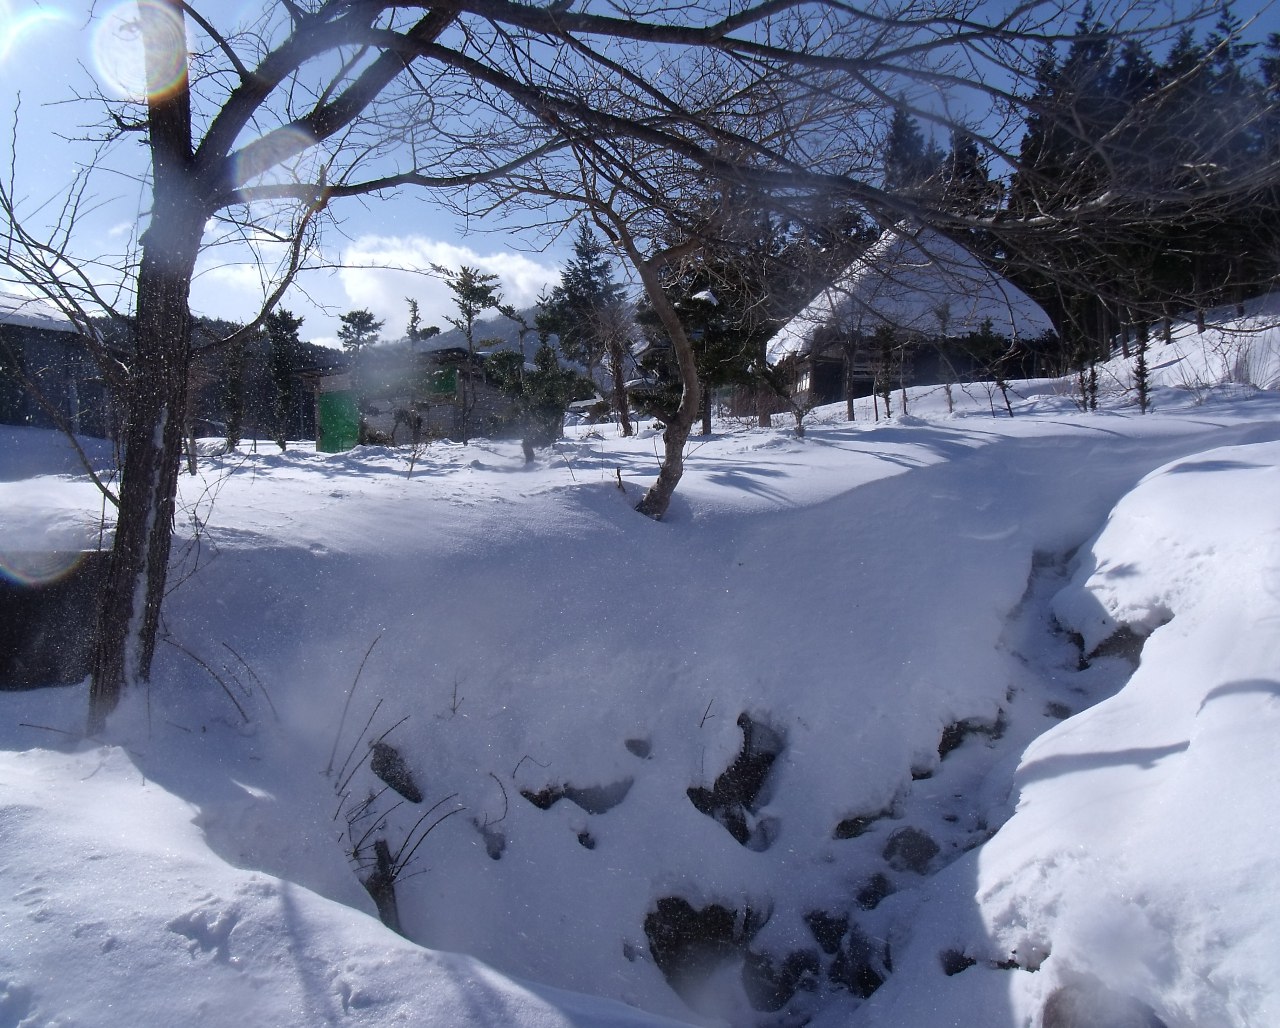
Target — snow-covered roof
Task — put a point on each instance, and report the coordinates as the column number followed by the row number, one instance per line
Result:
column 917, row 280
column 28, row 313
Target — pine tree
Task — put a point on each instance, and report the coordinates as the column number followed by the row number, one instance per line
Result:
column 283, row 346
column 586, row 287
column 910, row 163
column 474, row 292
column 966, row 178
column 414, row 332
column 587, row 310
column 548, row 390
column 541, row 393
column 236, row 357
column 415, row 321
column 359, row 329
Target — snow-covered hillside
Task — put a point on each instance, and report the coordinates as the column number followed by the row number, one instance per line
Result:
column 943, row 720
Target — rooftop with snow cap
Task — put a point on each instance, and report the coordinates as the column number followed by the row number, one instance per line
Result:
column 917, row 280
column 28, row 313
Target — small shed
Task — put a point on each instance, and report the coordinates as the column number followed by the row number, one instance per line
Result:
column 393, row 395
column 337, row 413
column 917, row 285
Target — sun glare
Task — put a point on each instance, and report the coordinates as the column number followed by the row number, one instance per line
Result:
column 17, row 28
column 282, row 159
column 133, row 37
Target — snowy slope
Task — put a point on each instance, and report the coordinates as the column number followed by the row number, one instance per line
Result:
column 1142, row 858
column 1238, row 347
column 884, row 608
column 116, row 911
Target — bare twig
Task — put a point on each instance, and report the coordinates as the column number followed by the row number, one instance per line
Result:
column 531, row 759
column 506, row 807
column 49, row 728
column 211, row 673
column 254, row 675
column 347, row 706
column 402, row 862
column 354, row 746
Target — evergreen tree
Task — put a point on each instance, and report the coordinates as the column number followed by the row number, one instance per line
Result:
column 359, row 330
column 586, row 287
column 414, row 331
column 284, row 348
column 1270, row 68
column 542, row 393
column 474, row 292
column 1187, row 134
column 967, row 187
column 1228, row 54
column 587, row 310
column 235, row 357
column 910, row 162
column 415, row 321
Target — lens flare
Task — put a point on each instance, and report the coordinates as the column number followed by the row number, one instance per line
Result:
column 38, row 568
column 17, row 29
column 134, row 37
column 280, row 157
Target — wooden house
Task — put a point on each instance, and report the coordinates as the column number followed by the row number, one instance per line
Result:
column 915, row 308
column 47, row 377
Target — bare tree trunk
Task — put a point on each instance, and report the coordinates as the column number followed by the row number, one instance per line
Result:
column 849, row 353
column 658, row 498
column 764, row 395
column 617, row 366
column 129, row 611
column 656, row 501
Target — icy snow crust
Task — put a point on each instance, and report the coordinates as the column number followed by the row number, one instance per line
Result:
column 856, row 593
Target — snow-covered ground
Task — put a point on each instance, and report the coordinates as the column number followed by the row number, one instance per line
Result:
column 951, row 719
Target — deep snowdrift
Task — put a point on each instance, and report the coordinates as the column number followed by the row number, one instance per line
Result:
column 825, row 733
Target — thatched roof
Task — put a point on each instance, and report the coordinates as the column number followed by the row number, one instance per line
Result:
column 918, row 281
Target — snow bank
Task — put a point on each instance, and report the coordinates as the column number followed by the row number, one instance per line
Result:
column 1140, row 863
column 116, row 912
column 1172, row 781
column 821, row 714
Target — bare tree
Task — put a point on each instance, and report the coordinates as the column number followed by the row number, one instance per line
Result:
column 613, row 325
column 378, row 96
column 625, row 112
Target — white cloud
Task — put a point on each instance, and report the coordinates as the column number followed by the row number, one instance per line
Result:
column 381, row 271
column 378, row 273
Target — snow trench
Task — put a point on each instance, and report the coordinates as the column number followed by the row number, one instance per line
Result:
column 955, row 799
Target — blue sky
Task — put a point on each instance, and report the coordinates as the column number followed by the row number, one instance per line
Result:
column 51, row 53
